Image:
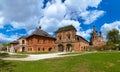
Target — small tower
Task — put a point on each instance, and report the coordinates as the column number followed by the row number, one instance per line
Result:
column 94, row 36
column 101, row 38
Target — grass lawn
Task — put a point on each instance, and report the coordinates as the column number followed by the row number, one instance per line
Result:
column 17, row 56
column 94, row 62
column 6, row 55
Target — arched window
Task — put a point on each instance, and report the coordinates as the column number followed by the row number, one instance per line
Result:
column 23, row 41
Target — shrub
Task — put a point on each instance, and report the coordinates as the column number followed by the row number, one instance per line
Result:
column 4, row 54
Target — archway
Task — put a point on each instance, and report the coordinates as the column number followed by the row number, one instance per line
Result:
column 50, row 49
column 69, row 48
column 23, row 49
column 60, row 48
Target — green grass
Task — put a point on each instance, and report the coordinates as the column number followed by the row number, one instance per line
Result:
column 35, row 52
column 72, row 53
column 94, row 62
column 6, row 55
column 17, row 56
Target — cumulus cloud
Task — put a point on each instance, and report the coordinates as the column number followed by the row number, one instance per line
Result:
column 29, row 14
column 86, row 34
column 79, row 8
column 76, row 24
column 58, row 14
column 4, row 38
column 91, row 16
column 1, row 22
column 109, row 26
column 57, row 10
column 81, row 5
column 20, row 11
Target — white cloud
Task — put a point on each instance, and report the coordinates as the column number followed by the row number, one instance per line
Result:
column 58, row 14
column 79, row 8
column 57, row 10
column 21, row 12
column 49, row 25
column 81, row 5
column 91, row 16
column 4, row 38
column 1, row 22
column 53, row 15
column 86, row 34
column 28, row 25
column 109, row 26
column 26, row 14
column 30, row 31
column 76, row 24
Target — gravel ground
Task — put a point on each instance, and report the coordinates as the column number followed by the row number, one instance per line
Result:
column 32, row 57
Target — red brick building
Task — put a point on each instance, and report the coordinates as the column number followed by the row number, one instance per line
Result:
column 40, row 41
column 18, row 45
column 96, row 40
column 67, row 40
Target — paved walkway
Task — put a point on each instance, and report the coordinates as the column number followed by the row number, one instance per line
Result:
column 32, row 57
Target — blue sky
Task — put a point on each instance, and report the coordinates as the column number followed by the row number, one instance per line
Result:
column 22, row 17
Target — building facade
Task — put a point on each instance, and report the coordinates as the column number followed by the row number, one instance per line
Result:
column 67, row 40
column 40, row 41
column 96, row 39
column 18, row 45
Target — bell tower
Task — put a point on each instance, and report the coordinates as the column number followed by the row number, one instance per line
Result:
column 94, row 36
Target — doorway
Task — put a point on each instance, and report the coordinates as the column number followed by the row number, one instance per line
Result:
column 69, row 48
column 60, row 48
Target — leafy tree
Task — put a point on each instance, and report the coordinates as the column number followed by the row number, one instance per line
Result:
column 113, row 37
column 4, row 46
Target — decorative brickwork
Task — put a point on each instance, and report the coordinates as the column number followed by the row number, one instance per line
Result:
column 96, row 40
column 67, row 40
column 40, row 41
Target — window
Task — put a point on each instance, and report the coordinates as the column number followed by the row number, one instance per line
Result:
column 43, row 49
column 38, row 40
column 43, row 41
column 49, row 49
column 29, row 49
column 23, row 41
column 38, row 49
column 68, row 35
column 78, row 38
column 59, row 36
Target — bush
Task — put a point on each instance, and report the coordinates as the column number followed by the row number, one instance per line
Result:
column 4, row 54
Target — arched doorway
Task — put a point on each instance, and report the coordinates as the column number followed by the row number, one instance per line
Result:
column 69, row 48
column 23, row 49
column 60, row 48
column 50, row 49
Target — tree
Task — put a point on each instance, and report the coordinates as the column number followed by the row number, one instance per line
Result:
column 113, row 37
column 4, row 46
